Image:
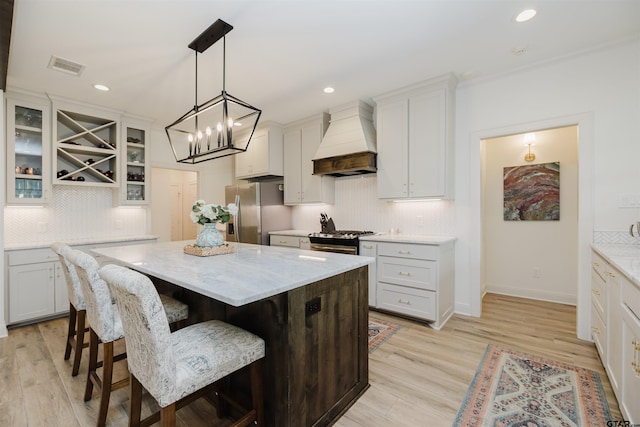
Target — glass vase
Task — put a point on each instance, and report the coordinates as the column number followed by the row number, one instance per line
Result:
column 209, row 236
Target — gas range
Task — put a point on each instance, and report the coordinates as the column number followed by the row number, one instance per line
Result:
column 341, row 241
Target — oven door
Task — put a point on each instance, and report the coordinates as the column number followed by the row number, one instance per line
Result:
column 341, row 249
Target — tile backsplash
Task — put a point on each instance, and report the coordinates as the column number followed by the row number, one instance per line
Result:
column 74, row 213
column 615, row 237
column 357, row 207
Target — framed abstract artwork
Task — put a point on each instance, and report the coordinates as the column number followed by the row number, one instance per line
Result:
column 532, row 192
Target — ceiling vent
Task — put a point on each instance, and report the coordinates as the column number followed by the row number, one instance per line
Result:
column 66, row 66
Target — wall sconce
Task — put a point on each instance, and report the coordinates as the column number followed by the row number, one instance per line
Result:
column 529, row 140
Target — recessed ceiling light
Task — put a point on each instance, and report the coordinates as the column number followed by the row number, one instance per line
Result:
column 101, row 87
column 328, row 89
column 525, row 15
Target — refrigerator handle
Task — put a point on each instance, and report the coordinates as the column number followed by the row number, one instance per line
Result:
column 237, row 219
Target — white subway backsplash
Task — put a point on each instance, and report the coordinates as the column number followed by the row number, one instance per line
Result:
column 357, row 207
column 74, row 213
column 615, row 237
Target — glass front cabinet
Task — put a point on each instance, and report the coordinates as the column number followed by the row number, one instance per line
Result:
column 135, row 165
column 28, row 155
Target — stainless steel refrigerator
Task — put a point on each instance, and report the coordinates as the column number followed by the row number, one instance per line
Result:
column 261, row 209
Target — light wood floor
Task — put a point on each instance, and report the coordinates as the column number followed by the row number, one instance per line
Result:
column 418, row 377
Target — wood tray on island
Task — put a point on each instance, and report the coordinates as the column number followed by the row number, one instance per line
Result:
column 224, row 248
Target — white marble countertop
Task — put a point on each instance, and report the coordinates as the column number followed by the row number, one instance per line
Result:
column 625, row 258
column 298, row 233
column 409, row 238
column 77, row 242
column 251, row 273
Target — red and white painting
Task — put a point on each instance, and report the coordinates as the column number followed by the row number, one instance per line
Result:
column 532, row 192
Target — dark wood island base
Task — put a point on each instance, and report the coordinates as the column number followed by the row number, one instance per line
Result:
column 316, row 363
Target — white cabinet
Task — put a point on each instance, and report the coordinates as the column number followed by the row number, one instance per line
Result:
column 415, row 140
column 615, row 325
column 599, row 307
column 300, row 242
column 135, row 170
column 630, row 349
column 613, row 365
column 370, row 249
column 28, row 150
column 86, row 145
column 301, row 141
column 37, row 286
column 264, row 156
column 32, row 284
column 416, row 280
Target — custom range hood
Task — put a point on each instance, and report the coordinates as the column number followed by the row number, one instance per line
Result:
column 349, row 145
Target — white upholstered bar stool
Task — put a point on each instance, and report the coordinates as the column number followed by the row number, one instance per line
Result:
column 77, row 309
column 106, row 327
column 177, row 368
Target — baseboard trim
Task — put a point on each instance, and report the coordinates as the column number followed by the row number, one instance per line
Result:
column 557, row 297
column 3, row 331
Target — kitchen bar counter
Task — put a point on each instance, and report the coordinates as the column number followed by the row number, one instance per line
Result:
column 251, row 273
column 309, row 307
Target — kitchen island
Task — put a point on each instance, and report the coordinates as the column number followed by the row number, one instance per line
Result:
column 309, row 307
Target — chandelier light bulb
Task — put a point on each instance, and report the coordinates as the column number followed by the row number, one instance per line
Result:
column 190, row 138
column 208, row 131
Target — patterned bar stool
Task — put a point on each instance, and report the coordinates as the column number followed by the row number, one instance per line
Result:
column 177, row 368
column 106, row 327
column 77, row 309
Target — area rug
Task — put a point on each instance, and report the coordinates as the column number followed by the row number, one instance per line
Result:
column 380, row 331
column 515, row 389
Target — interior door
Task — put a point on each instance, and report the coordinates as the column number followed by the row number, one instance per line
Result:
column 177, row 211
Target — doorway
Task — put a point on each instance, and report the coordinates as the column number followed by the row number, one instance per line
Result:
column 473, row 216
column 173, row 194
column 536, row 255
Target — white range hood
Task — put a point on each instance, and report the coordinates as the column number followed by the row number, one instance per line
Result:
column 349, row 145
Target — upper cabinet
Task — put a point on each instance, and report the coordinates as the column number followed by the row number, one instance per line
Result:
column 301, row 141
column 86, row 144
column 28, row 155
column 264, row 156
column 135, row 165
column 415, row 140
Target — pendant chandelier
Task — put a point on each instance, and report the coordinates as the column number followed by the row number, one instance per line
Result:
column 210, row 130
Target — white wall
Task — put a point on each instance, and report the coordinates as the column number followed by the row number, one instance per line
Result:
column 604, row 85
column 513, row 249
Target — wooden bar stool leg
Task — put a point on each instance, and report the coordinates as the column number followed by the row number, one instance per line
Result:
column 81, row 322
column 93, row 362
column 168, row 416
column 135, row 401
column 257, row 393
column 71, row 332
column 107, row 377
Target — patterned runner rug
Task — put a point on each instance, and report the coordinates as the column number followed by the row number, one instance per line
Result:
column 380, row 331
column 515, row 389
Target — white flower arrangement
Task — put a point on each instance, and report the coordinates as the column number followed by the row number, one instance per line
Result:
column 203, row 213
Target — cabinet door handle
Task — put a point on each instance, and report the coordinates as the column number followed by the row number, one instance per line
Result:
column 402, row 273
column 401, row 301
column 282, row 241
column 404, row 252
column 367, row 246
column 595, row 292
column 595, row 264
column 595, row 330
column 611, row 274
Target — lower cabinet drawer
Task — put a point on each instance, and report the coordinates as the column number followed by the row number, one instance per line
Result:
column 412, row 302
column 598, row 293
column 278, row 240
column 630, row 296
column 416, row 273
column 598, row 332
